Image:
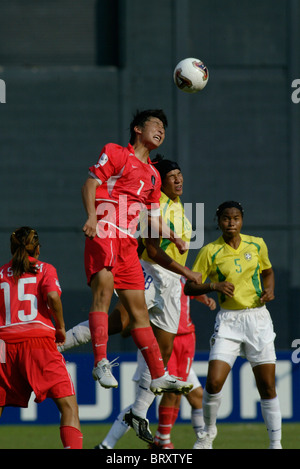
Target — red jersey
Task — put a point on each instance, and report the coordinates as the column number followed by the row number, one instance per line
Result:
column 127, row 186
column 185, row 323
column 23, row 303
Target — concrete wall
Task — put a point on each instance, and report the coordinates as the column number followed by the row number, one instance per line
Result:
column 75, row 71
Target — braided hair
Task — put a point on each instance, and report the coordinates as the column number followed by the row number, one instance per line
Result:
column 23, row 243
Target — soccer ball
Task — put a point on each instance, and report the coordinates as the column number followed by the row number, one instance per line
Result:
column 191, row 75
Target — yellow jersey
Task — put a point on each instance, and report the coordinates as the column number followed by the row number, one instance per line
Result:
column 173, row 214
column 242, row 267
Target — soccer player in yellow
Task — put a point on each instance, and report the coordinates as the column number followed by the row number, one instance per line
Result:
column 235, row 265
column 163, row 268
column 162, row 277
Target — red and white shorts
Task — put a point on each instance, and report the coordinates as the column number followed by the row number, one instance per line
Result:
column 182, row 355
column 118, row 253
column 34, row 365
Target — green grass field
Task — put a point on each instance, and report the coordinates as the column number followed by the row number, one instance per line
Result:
column 230, row 436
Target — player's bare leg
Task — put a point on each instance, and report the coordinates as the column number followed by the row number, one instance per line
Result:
column 70, row 431
column 118, row 320
column 102, row 286
column 165, row 341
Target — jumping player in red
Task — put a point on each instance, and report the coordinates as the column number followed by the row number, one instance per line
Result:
column 122, row 184
column 30, row 362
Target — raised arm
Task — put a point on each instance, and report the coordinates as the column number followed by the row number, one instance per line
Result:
column 159, row 228
column 158, row 255
column 88, row 196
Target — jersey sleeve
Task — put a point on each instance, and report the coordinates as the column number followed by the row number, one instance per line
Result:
column 264, row 256
column 49, row 282
column 202, row 263
column 153, row 203
column 110, row 162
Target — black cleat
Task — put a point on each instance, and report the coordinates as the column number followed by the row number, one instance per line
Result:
column 101, row 446
column 140, row 425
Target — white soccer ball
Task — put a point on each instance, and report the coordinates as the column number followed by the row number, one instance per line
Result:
column 191, row 75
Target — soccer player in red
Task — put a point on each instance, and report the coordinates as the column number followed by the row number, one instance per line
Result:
column 29, row 361
column 121, row 185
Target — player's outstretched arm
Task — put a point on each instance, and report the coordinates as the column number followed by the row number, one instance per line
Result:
column 159, row 228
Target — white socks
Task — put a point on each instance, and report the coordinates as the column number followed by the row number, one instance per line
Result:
column 269, row 407
column 118, row 429
column 270, row 410
column 197, row 420
column 211, row 404
column 143, row 401
column 76, row 336
column 144, row 397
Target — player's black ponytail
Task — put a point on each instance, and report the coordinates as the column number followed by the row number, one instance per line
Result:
column 23, row 243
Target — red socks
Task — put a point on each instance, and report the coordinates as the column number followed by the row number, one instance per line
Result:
column 143, row 337
column 98, row 323
column 167, row 418
column 71, row 437
column 175, row 414
column 145, row 340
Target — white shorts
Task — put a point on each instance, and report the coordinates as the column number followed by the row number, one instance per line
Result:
column 193, row 378
column 247, row 333
column 162, row 293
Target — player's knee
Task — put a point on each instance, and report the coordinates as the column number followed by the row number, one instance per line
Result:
column 267, row 390
column 101, row 300
column 214, row 385
column 68, row 408
column 195, row 397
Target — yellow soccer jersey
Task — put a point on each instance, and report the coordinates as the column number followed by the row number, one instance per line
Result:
column 242, row 267
column 173, row 215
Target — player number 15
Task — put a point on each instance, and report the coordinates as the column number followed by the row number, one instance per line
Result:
column 22, row 296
